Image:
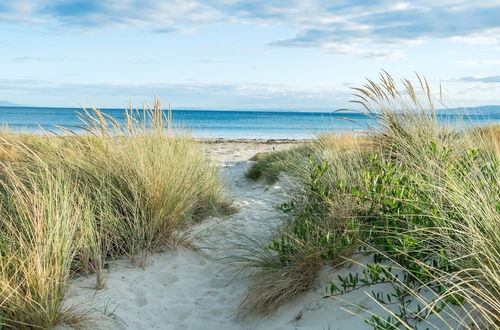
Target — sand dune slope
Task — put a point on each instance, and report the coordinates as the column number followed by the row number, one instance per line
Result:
column 187, row 289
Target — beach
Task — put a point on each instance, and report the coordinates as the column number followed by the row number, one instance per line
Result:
column 135, row 225
column 241, row 150
column 220, row 165
column 198, row 286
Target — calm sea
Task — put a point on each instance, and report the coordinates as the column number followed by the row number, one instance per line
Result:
column 228, row 124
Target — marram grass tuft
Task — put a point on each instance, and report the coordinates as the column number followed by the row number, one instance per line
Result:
column 71, row 202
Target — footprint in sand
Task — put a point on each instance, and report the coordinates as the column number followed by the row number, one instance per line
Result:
column 140, row 296
column 178, row 314
column 216, row 312
column 138, row 291
column 141, row 301
column 217, row 282
column 166, row 279
column 212, row 293
column 207, row 300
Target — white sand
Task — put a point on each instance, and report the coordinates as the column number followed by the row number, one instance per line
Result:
column 242, row 150
column 184, row 289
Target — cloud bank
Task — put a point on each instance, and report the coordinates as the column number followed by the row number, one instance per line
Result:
column 487, row 79
column 367, row 28
column 203, row 96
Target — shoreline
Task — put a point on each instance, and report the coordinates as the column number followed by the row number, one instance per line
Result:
column 208, row 140
column 252, row 141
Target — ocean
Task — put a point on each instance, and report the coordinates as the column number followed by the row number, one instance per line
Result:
column 232, row 124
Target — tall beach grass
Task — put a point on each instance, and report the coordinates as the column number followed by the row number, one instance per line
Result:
column 423, row 198
column 69, row 203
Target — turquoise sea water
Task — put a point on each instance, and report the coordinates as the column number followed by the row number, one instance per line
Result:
column 229, row 124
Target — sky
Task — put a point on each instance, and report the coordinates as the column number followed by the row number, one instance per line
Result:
column 234, row 54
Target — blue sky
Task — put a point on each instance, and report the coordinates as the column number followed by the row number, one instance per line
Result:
column 234, row 54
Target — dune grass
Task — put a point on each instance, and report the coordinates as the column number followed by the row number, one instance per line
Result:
column 424, row 198
column 269, row 165
column 69, row 203
column 319, row 224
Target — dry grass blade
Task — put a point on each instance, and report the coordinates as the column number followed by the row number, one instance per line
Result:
column 68, row 202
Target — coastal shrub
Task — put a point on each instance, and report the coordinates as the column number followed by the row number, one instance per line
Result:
column 70, row 203
column 319, row 225
column 435, row 195
column 423, row 199
column 425, row 234
column 269, row 165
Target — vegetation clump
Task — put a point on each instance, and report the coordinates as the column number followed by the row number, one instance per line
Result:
column 423, row 199
column 69, row 203
column 269, row 165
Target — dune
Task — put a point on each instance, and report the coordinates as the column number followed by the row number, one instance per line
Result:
column 193, row 288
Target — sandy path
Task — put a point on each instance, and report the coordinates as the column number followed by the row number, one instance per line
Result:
column 225, row 151
column 184, row 289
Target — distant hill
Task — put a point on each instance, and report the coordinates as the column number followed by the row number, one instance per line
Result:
column 485, row 109
column 4, row 103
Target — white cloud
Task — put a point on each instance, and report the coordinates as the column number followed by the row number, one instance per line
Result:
column 490, row 36
column 96, row 14
column 482, row 79
column 354, row 49
column 336, row 26
column 479, row 62
column 215, row 96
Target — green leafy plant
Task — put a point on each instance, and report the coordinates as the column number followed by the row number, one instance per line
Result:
column 269, row 165
column 433, row 196
column 423, row 198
